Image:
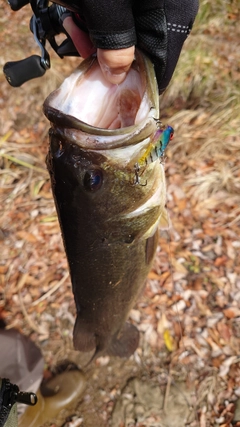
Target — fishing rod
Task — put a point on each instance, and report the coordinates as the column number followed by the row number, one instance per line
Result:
column 45, row 24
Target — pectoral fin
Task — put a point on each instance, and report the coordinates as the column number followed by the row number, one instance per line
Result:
column 124, row 343
column 151, row 246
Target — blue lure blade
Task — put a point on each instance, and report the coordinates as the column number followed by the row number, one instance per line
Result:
column 166, row 136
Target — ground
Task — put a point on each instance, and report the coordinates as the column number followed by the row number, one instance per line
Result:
column 186, row 371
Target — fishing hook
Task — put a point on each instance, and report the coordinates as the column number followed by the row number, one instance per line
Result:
column 137, row 177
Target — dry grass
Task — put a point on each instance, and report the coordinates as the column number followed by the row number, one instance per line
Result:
column 206, row 91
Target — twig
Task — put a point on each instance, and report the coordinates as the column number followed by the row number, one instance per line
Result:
column 21, row 282
column 5, row 137
column 52, row 290
column 167, row 392
column 22, row 163
column 32, row 324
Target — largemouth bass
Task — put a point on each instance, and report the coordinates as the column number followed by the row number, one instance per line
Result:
column 110, row 195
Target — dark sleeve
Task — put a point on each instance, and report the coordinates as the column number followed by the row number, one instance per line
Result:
column 180, row 16
column 110, row 23
column 157, row 27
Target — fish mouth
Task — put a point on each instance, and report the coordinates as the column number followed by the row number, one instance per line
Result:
column 111, row 115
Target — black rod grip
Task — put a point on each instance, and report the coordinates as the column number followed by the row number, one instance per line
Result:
column 19, row 72
column 17, row 4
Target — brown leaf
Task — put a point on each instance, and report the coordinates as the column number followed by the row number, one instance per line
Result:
column 231, row 312
column 220, row 261
column 217, row 361
column 225, row 331
column 28, row 237
column 179, row 267
column 4, row 269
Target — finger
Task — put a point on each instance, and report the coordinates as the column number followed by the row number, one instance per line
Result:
column 115, row 63
column 80, row 39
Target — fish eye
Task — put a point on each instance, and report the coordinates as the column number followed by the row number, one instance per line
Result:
column 93, row 179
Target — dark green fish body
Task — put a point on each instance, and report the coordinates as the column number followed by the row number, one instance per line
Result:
column 109, row 222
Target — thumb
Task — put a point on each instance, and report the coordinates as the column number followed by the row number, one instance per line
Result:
column 115, row 63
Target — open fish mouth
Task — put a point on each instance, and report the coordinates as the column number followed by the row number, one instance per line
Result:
column 88, row 97
column 109, row 191
column 111, row 114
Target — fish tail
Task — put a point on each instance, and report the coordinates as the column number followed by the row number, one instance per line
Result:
column 124, row 343
column 96, row 354
column 84, row 338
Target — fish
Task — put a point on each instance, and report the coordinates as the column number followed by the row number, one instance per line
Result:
column 109, row 211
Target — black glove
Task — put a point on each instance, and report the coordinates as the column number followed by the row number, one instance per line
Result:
column 158, row 27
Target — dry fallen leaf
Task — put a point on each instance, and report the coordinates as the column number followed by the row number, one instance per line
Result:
column 169, row 341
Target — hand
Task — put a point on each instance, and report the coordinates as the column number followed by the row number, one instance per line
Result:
column 114, row 63
column 114, row 27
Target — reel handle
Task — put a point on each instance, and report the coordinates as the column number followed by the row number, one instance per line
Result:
column 17, row 4
column 19, row 72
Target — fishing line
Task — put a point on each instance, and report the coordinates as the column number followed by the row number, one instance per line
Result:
column 170, row 377
column 170, row 256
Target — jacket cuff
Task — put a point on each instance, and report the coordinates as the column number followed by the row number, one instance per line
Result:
column 118, row 40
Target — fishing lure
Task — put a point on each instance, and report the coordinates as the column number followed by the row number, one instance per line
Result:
column 155, row 150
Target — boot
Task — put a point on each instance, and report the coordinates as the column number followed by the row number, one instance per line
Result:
column 64, row 392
